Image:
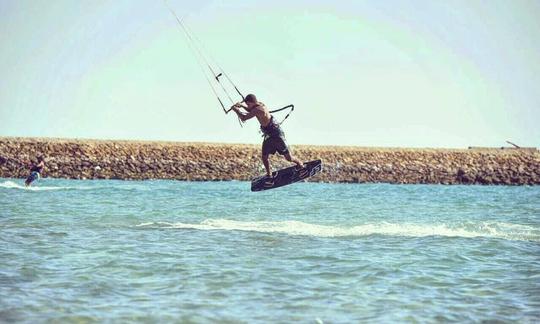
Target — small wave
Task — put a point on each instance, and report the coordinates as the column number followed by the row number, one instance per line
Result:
column 39, row 187
column 489, row 230
column 13, row 185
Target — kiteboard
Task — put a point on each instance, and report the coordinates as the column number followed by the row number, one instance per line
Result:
column 286, row 176
column 34, row 175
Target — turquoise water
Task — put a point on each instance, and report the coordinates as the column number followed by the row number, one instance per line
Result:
column 167, row 251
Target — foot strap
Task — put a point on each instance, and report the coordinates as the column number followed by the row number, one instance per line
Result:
column 269, row 182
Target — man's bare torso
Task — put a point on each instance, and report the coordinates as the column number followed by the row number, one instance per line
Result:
column 262, row 114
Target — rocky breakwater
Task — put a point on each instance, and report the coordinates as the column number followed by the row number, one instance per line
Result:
column 93, row 159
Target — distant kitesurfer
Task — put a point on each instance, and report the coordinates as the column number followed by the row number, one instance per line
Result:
column 35, row 171
column 274, row 138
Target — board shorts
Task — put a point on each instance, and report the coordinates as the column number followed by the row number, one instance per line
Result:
column 273, row 145
column 274, row 139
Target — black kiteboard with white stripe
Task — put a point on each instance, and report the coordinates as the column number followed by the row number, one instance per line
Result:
column 286, row 176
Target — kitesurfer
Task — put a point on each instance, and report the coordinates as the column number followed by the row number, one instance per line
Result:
column 274, row 138
column 35, row 171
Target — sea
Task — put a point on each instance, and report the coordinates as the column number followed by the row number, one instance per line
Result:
column 156, row 251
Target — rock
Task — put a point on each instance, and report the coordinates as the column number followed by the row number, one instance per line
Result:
column 215, row 162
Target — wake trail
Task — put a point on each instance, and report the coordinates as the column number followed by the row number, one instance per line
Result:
column 13, row 185
column 485, row 229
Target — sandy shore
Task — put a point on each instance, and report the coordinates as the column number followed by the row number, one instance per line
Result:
column 107, row 159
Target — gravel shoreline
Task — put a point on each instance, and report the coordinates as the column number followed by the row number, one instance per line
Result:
column 133, row 160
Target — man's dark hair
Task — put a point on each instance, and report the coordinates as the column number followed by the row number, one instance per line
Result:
column 40, row 158
column 251, row 98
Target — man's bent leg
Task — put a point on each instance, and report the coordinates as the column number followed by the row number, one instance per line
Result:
column 266, row 163
column 289, row 158
column 299, row 165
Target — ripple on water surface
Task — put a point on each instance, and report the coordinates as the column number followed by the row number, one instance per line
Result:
column 74, row 250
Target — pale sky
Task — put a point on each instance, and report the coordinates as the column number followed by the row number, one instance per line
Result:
column 367, row 73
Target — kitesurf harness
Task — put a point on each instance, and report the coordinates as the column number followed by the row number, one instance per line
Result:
column 213, row 72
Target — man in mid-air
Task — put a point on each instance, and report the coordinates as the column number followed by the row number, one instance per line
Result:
column 274, row 139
